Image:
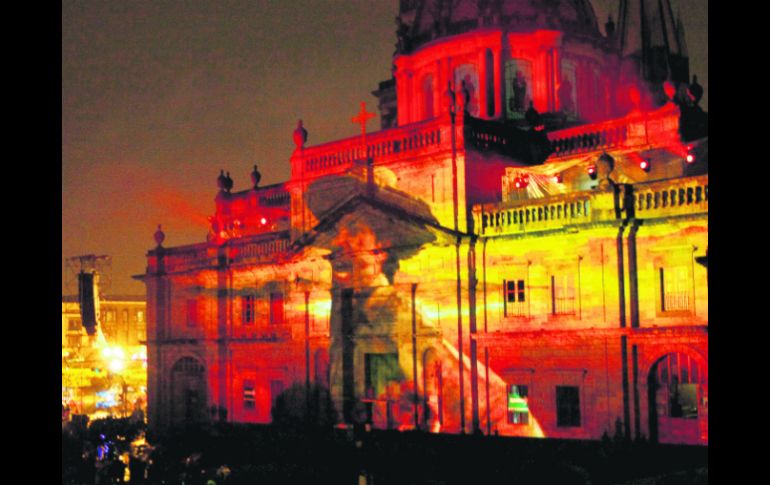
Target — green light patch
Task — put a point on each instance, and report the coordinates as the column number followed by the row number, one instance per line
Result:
column 517, row 404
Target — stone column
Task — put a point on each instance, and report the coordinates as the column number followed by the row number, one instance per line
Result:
column 499, row 88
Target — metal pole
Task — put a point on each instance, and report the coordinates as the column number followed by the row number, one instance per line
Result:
column 307, row 354
column 414, row 354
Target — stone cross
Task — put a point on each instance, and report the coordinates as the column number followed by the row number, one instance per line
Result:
column 361, row 119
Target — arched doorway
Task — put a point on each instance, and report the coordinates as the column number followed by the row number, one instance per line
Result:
column 188, row 391
column 677, row 391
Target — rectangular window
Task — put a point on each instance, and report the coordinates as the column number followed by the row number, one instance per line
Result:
column 276, row 308
column 247, row 309
column 140, row 316
column 109, row 316
column 73, row 341
column 562, row 295
column 674, row 289
column 74, row 324
column 192, row 312
column 249, row 395
column 125, row 316
column 518, row 404
column 567, row 406
column 515, row 298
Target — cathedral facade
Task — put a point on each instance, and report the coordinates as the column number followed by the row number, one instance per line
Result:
column 521, row 250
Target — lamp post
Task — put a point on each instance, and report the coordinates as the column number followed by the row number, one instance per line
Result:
column 452, row 105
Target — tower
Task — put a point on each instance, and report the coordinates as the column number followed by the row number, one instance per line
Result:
column 651, row 45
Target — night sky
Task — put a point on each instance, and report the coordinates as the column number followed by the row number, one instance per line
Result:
column 158, row 96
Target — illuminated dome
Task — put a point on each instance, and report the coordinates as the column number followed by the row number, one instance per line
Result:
column 421, row 21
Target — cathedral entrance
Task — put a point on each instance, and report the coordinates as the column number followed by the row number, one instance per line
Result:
column 188, row 392
column 678, row 392
column 382, row 383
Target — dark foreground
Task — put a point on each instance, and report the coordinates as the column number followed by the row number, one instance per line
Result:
column 243, row 454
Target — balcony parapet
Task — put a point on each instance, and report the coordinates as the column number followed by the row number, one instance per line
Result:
column 180, row 258
column 246, row 250
column 384, row 146
column 556, row 212
column 258, row 251
column 660, row 198
column 672, row 197
column 635, row 130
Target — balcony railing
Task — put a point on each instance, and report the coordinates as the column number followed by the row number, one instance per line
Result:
column 534, row 215
column 189, row 257
column 640, row 129
column 672, row 197
column 662, row 198
column 258, row 251
column 676, row 301
column 201, row 256
column 337, row 156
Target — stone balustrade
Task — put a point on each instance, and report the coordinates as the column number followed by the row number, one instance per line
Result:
column 337, row 156
column 246, row 250
column 672, row 197
column 661, row 198
column 635, row 130
column 532, row 215
column 185, row 258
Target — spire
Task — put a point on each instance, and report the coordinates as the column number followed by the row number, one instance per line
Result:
column 649, row 35
column 680, row 35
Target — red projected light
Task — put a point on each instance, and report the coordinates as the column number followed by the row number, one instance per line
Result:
column 644, row 165
column 592, row 171
column 263, row 221
column 557, row 179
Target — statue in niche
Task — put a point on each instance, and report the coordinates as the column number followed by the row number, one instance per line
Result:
column 519, row 92
column 469, row 96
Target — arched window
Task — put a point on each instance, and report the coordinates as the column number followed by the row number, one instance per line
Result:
column 518, row 86
column 467, row 76
column 188, row 365
column 188, row 391
column 676, row 379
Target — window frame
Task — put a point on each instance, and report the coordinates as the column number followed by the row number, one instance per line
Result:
column 277, row 308
column 573, row 418
column 566, row 286
column 249, row 395
column 665, row 281
column 515, row 301
column 248, row 309
column 510, row 416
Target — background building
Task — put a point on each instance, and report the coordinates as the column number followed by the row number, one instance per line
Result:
column 515, row 252
column 95, row 369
